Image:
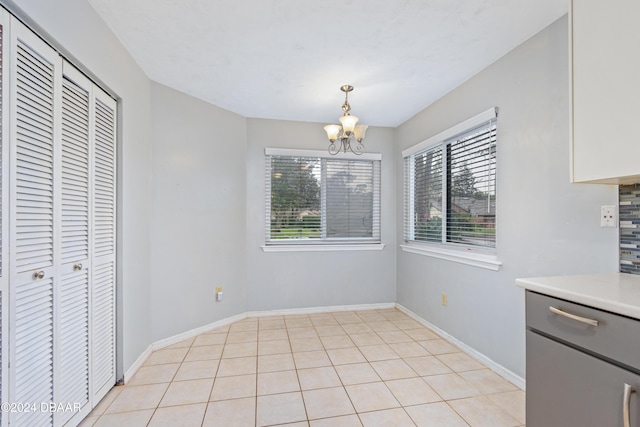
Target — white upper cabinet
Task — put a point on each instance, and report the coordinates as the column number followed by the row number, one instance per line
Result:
column 605, row 91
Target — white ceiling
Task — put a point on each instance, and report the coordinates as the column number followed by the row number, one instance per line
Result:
column 286, row 59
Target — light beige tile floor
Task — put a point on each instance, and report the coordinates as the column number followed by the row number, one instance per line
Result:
column 364, row 368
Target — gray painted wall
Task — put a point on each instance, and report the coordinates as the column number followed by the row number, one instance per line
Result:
column 198, row 205
column 286, row 280
column 75, row 25
column 546, row 226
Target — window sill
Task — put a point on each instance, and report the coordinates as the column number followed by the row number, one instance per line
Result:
column 323, row 248
column 487, row 261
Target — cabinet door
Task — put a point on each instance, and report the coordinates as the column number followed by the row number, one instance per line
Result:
column 605, row 90
column 569, row 388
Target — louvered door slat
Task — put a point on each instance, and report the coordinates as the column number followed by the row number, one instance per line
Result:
column 27, row 146
column 36, row 226
column 33, row 172
column 34, row 99
column 76, row 163
column 31, row 114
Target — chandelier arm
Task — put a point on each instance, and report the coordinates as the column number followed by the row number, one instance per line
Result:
column 333, row 149
column 359, row 149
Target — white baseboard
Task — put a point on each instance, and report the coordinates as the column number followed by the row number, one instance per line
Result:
column 505, row 373
column 315, row 310
column 137, row 364
column 197, row 331
column 497, row 368
column 166, row 342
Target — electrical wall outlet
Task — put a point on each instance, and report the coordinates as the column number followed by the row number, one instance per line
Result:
column 219, row 293
column 608, row 216
column 443, row 298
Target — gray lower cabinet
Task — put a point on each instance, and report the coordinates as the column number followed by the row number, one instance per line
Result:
column 572, row 378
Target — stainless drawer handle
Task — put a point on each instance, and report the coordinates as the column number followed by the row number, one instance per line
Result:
column 591, row 322
column 626, row 412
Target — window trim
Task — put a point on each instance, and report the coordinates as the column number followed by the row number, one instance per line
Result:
column 477, row 120
column 319, row 153
column 331, row 244
column 323, row 247
column 466, row 254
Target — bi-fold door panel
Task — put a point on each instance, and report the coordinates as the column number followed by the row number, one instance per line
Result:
column 104, row 246
column 36, row 74
column 73, row 308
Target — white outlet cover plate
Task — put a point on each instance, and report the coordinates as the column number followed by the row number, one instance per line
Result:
column 608, row 217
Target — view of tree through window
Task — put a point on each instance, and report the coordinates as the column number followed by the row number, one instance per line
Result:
column 428, row 196
column 295, row 197
column 312, row 198
column 471, row 207
column 454, row 201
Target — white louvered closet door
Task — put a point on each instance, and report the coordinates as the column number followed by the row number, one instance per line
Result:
column 104, row 245
column 34, row 255
column 62, row 236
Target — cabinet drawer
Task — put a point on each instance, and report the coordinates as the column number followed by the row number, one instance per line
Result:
column 615, row 337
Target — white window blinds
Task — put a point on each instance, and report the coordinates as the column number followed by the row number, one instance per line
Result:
column 315, row 199
column 450, row 188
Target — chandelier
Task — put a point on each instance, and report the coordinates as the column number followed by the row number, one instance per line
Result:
column 349, row 136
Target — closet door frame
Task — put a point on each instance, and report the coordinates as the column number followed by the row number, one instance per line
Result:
column 4, row 213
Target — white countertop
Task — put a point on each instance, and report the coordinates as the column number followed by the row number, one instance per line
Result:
column 614, row 292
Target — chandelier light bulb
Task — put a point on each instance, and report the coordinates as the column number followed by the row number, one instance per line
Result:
column 348, row 124
column 333, row 131
column 359, row 132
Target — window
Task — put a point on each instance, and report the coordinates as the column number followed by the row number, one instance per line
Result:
column 312, row 198
column 450, row 187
